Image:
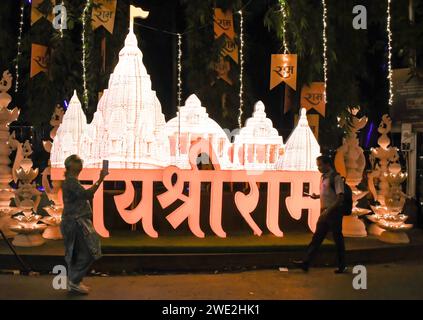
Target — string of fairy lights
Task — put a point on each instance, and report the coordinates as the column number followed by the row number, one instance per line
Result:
column 325, row 47
column 241, row 68
column 179, row 69
column 61, row 19
column 389, row 32
column 284, row 12
column 84, row 52
column 21, row 22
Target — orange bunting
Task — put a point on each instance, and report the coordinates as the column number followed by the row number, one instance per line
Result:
column 313, row 97
column 39, row 59
column 283, row 68
column 104, row 14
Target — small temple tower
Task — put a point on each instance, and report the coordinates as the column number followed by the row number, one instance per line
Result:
column 258, row 144
column 70, row 133
column 193, row 122
column 301, row 149
column 128, row 126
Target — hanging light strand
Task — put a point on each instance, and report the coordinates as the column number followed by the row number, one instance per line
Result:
column 61, row 19
column 241, row 68
column 84, row 52
column 21, row 22
column 325, row 46
column 389, row 31
column 179, row 69
column 284, row 19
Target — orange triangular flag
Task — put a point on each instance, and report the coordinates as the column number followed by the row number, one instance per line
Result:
column 283, row 68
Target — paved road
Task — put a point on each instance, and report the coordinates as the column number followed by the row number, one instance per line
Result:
column 403, row 280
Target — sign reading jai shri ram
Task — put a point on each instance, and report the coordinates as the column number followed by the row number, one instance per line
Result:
column 190, row 209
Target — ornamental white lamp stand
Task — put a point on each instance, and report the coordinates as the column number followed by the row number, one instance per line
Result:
column 388, row 222
column 55, row 209
column 28, row 228
column 350, row 163
column 6, row 193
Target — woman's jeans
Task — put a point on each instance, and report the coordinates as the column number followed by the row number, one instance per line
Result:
column 81, row 259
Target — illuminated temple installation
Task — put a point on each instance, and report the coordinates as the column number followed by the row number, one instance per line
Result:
column 258, row 145
column 130, row 131
column 70, row 133
column 128, row 127
column 193, row 122
column 301, row 149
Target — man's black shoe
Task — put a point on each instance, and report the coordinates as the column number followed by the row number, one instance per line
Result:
column 301, row 264
column 341, row 270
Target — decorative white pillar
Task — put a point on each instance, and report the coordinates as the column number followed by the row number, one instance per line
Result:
column 28, row 228
column 388, row 222
column 350, row 163
column 55, row 209
column 6, row 192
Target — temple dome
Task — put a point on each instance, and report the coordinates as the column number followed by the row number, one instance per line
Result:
column 301, row 148
column 193, row 122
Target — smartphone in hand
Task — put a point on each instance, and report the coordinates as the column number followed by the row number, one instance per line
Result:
column 105, row 167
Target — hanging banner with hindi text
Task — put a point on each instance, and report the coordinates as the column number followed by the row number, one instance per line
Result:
column 104, row 14
column 223, row 22
column 313, row 97
column 39, row 59
column 40, row 9
column 283, row 68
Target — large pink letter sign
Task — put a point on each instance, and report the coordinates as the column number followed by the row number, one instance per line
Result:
column 190, row 209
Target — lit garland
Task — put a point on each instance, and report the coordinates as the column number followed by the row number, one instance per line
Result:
column 179, row 90
column 19, row 46
column 61, row 19
column 179, row 69
column 241, row 68
column 325, row 47
column 389, row 31
column 84, row 52
column 284, row 17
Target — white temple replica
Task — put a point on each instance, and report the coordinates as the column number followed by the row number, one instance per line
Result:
column 301, row 149
column 258, row 145
column 128, row 126
column 193, row 122
column 70, row 133
column 130, row 131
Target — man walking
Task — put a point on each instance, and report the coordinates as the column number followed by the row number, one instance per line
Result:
column 331, row 200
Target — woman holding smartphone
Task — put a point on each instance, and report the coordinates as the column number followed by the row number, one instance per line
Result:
column 82, row 244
